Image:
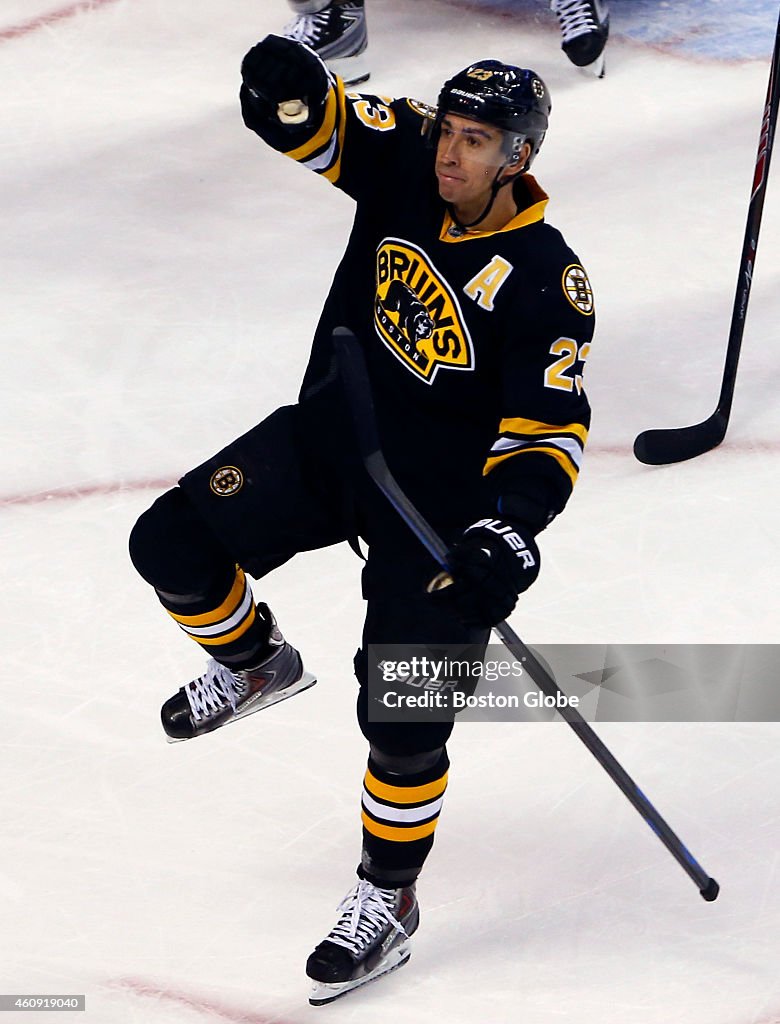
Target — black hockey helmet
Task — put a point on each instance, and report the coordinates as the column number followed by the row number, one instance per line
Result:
column 507, row 97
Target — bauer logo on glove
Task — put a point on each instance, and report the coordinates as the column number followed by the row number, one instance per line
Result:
column 490, row 565
column 510, row 537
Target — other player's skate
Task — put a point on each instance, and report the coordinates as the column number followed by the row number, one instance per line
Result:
column 370, row 938
column 221, row 696
column 584, row 32
column 336, row 30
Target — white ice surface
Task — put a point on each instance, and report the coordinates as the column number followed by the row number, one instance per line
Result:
column 161, row 276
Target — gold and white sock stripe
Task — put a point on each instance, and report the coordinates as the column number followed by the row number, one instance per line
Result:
column 401, row 813
column 226, row 623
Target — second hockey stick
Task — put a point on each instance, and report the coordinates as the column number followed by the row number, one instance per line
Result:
column 676, row 444
column 357, row 385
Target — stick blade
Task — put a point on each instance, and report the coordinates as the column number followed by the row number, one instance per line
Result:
column 661, row 447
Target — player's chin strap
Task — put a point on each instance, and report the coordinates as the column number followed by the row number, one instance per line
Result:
column 458, row 227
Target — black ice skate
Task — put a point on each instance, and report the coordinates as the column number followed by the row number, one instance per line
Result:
column 339, row 35
column 584, row 32
column 220, row 696
column 371, row 938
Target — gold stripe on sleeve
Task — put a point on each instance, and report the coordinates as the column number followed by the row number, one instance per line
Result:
column 334, row 173
column 560, row 457
column 326, row 130
column 521, row 426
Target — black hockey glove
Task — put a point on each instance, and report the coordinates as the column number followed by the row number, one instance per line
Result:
column 492, row 563
column 276, row 71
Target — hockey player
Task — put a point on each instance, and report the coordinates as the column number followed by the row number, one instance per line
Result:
column 476, row 319
column 584, row 32
column 336, row 29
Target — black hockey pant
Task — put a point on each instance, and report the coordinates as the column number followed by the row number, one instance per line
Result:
column 261, row 500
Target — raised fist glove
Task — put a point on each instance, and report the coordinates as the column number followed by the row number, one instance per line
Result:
column 277, row 70
column 489, row 566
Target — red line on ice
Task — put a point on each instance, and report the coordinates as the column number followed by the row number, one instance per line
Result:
column 60, row 14
column 143, row 988
column 78, row 491
column 85, row 491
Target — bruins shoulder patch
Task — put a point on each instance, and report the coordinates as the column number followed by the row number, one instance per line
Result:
column 577, row 289
column 425, row 109
column 226, row 481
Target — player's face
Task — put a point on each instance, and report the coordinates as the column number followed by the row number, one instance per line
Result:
column 468, row 157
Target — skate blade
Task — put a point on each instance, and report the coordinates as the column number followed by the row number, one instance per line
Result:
column 322, row 993
column 306, row 681
column 353, row 70
column 595, row 70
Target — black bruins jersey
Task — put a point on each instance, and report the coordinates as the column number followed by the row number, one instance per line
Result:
column 475, row 343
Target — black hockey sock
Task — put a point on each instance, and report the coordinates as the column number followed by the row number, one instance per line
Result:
column 198, row 582
column 400, row 814
column 231, row 629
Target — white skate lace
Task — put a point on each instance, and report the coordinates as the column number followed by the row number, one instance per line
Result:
column 307, row 28
column 577, row 17
column 215, row 690
column 364, row 915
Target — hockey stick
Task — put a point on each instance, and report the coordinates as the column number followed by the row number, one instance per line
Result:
column 676, row 444
column 357, row 386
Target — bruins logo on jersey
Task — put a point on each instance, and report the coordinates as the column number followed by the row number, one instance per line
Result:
column 425, row 109
column 577, row 289
column 416, row 314
column 226, row 481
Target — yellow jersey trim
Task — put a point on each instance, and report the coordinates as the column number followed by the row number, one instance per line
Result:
column 518, row 425
column 321, row 137
column 531, row 215
column 560, row 457
column 334, row 173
